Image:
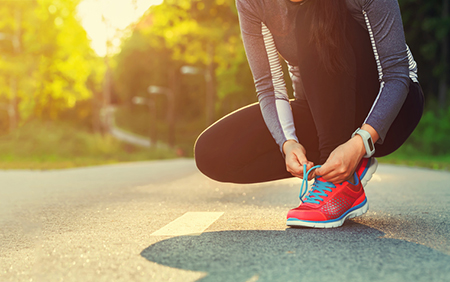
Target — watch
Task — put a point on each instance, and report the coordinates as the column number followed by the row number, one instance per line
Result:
column 368, row 143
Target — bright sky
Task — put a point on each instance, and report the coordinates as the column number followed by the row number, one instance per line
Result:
column 118, row 14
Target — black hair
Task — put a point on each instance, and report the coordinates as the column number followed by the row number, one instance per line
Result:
column 328, row 31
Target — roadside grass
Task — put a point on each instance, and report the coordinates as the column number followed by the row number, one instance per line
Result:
column 409, row 156
column 55, row 145
column 137, row 120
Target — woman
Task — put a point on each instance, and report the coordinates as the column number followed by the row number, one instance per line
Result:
column 357, row 97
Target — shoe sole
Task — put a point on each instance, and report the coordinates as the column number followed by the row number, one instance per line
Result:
column 353, row 212
column 368, row 173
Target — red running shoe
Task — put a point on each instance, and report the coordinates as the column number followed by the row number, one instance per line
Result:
column 328, row 205
column 365, row 169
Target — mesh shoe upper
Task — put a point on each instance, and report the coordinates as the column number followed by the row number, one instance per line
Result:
column 331, row 202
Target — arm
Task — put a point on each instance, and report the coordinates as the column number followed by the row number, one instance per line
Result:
column 384, row 24
column 343, row 161
column 270, row 86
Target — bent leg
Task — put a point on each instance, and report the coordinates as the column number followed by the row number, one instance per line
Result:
column 240, row 149
column 340, row 101
column 405, row 122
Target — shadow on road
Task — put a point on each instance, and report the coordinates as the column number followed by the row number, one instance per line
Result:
column 354, row 252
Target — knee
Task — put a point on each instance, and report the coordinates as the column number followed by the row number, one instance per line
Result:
column 207, row 158
column 201, row 153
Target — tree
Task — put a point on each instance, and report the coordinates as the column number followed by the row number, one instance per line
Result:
column 49, row 60
column 427, row 29
column 179, row 33
column 204, row 33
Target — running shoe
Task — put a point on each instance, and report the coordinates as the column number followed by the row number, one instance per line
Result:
column 365, row 169
column 328, row 205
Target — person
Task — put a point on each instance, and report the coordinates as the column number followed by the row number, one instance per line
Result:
column 357, row 96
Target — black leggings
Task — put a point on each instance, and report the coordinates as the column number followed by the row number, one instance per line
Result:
column 240, row 149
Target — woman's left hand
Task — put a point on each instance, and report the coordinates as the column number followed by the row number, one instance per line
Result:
column 343, row 161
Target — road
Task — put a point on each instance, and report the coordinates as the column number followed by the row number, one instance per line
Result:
column 164, row 221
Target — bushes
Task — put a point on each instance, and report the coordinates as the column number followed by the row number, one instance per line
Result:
column 432, row 135
column 55, row 144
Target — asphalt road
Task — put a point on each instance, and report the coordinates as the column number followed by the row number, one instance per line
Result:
column 99, row 224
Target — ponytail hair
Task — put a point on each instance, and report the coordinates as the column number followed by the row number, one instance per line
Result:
column 328, row 32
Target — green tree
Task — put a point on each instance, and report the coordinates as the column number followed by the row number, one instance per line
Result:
column 180, row 33
column 427, row 29
column 206, row 34
column 47, row 64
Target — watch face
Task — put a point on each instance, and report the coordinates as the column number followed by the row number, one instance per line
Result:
column 370, row 144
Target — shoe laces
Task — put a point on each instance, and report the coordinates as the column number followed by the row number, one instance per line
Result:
column 317, row 190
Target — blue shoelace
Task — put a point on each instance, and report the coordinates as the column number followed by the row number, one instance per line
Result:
column 317, row 190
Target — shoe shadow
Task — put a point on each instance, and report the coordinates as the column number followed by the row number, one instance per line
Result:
column 353, row 252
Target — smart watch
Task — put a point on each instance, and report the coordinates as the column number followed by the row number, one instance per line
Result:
column 368, row 143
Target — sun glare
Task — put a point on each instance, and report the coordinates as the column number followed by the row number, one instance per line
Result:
column 105, row 20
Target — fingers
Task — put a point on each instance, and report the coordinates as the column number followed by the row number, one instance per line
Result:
column 300, row 172
column 312, row 174
column 293, row 164
column 295, row 159
column 341, row 163
column 334, row 172
column 294, row 168
column 324, row 170
column 304, row 161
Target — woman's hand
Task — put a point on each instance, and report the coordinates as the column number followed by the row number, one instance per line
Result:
column 295, row 158
column 342, row 162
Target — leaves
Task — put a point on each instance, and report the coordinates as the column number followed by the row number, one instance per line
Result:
column 204, row 34
column 426, row 27
column 54, row 60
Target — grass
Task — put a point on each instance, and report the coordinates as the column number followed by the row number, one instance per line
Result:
column 407, row 155
column 55, row 145
column 137, row 120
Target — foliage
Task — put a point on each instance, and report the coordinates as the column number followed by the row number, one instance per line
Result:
column 143, row 61
column 178, row 33
column 431, row 136
column 52, row 144
column 47, row 68
column 137, row 120
column 47, row 54
column 206, row 33
column 409, row 156
column 425, row 29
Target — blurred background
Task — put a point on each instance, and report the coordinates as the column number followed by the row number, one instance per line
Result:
column 87, row 82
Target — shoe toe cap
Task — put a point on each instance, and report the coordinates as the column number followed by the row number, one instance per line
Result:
column 306, row 214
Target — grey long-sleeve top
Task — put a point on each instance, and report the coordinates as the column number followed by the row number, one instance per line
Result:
column 267, row 28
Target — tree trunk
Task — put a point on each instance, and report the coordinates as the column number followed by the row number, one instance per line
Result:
column 13, row 112
column 153, row 121
column 106, row 101
column 12, row 107
column 210, row 77
column 442, row 94
column 171, row 106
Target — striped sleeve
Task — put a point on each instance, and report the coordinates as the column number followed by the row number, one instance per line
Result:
column 394, row 60
column 268, row 76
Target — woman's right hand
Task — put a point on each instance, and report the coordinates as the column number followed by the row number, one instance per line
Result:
column 295, row 158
